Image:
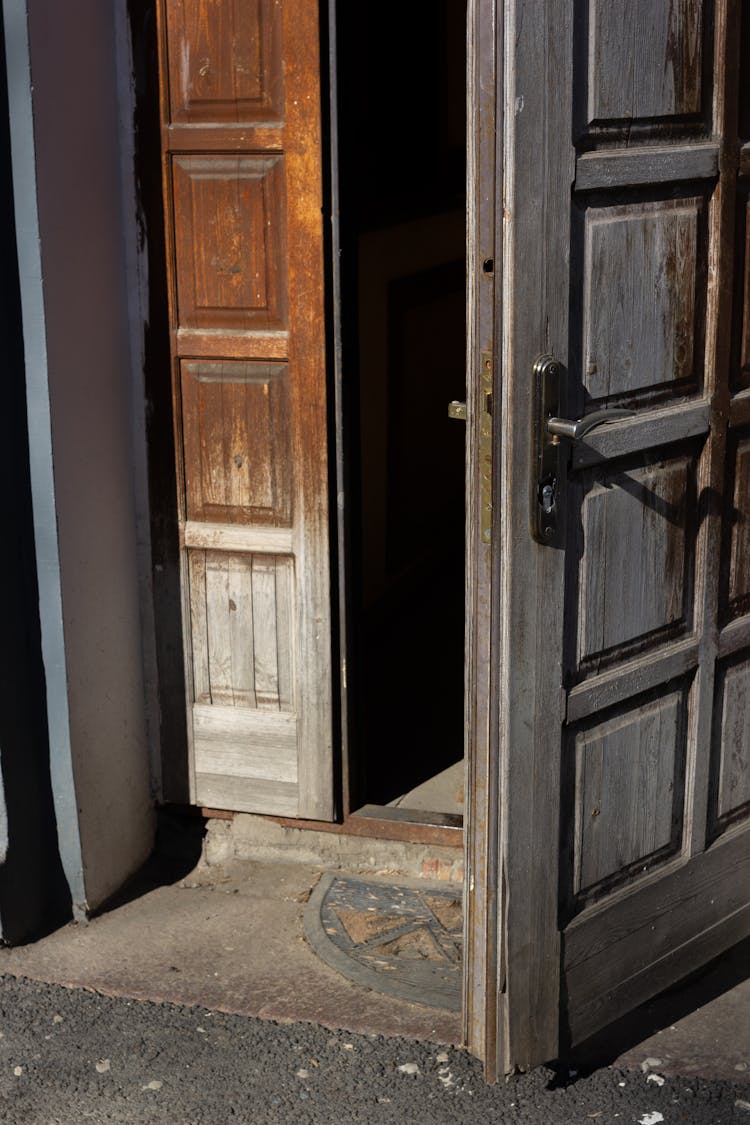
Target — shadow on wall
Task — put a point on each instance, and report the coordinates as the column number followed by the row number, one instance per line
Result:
column 34, row 894
column 177, row 851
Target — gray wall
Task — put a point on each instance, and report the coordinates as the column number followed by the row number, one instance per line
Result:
column 88, row 350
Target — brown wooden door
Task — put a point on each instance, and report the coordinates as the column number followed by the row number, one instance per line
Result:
column 242, row 159
column 619, row 849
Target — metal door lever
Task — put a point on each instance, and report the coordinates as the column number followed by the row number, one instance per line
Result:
column 550, row 456
column 575, row 429
column 457, row 410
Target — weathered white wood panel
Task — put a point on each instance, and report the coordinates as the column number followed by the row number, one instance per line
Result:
column 266, row 644
column 645, row 58
column 222, row 738
column 246, row 760
column 242, row 613
column 222, row 537
column 640, row 269
column 628, row 793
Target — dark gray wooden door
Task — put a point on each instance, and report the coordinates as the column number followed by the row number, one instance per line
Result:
column 623, row 690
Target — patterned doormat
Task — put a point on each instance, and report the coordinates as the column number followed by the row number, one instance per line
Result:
column 402, row 939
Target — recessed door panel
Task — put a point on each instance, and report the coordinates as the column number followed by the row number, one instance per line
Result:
column 230, row 242
column 237, row 442
column 730, row 795
column 645, row 59
column 634, row 522
column 225, row 61
column 627, row 810
column 644, row 296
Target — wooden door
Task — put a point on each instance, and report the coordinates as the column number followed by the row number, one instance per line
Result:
column 242, row 159
column 618, row 848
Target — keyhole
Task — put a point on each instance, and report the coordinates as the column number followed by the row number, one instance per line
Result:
column 548, row 498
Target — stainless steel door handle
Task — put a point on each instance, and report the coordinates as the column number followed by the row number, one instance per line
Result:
column 549, row 454
column 575, row 429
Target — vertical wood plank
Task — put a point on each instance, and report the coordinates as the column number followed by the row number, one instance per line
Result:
column 285, row 632
column 310, row 457
column 264, row 632
column 218, row 615
column 199, row 626
column 241, row 633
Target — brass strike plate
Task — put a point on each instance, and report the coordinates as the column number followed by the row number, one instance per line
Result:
column 485, row 447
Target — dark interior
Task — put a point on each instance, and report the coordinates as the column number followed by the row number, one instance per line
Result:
column 401, row 153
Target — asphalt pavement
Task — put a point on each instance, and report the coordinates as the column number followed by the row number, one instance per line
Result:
column 70, row 1055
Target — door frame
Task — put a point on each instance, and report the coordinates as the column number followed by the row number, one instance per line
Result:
column 485, row 275
column 511, row 992
column 358, row 819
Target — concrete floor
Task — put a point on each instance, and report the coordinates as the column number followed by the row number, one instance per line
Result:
column 442, row 793
column 230, row 939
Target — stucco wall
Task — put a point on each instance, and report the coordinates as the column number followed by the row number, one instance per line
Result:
column 83, row 250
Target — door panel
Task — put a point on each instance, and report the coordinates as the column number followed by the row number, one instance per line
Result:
column 624, row 817
column 629, row 46
column 242, row 155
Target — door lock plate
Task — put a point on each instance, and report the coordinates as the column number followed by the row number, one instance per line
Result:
column 549, row 464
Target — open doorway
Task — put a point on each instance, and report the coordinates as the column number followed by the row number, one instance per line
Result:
column 401, row 112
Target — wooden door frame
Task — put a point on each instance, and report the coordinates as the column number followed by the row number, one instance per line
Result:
column 512, row 958
column 354, row 818
column 484, row 288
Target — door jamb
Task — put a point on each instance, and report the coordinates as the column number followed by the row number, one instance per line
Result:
column 481, row 979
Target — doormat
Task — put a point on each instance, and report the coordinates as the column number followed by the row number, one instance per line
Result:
column 402, row 939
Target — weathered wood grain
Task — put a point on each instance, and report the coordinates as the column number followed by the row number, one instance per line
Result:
column 650, row 164
column 256, row 540
column 731, row 743
column 230, row 242
column 633, row 525
column 236, row 440
column 243, row 194
column 734, row 637
column 632, row 618
column 671, row 915
column 745, row 160
column 538, row 168
column 645, row 59
column 632, row 677
column 225, row 61
column 646, row 430
column 639, row 315
column 482, row 1007
column 629, row 775
column 739, row 554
